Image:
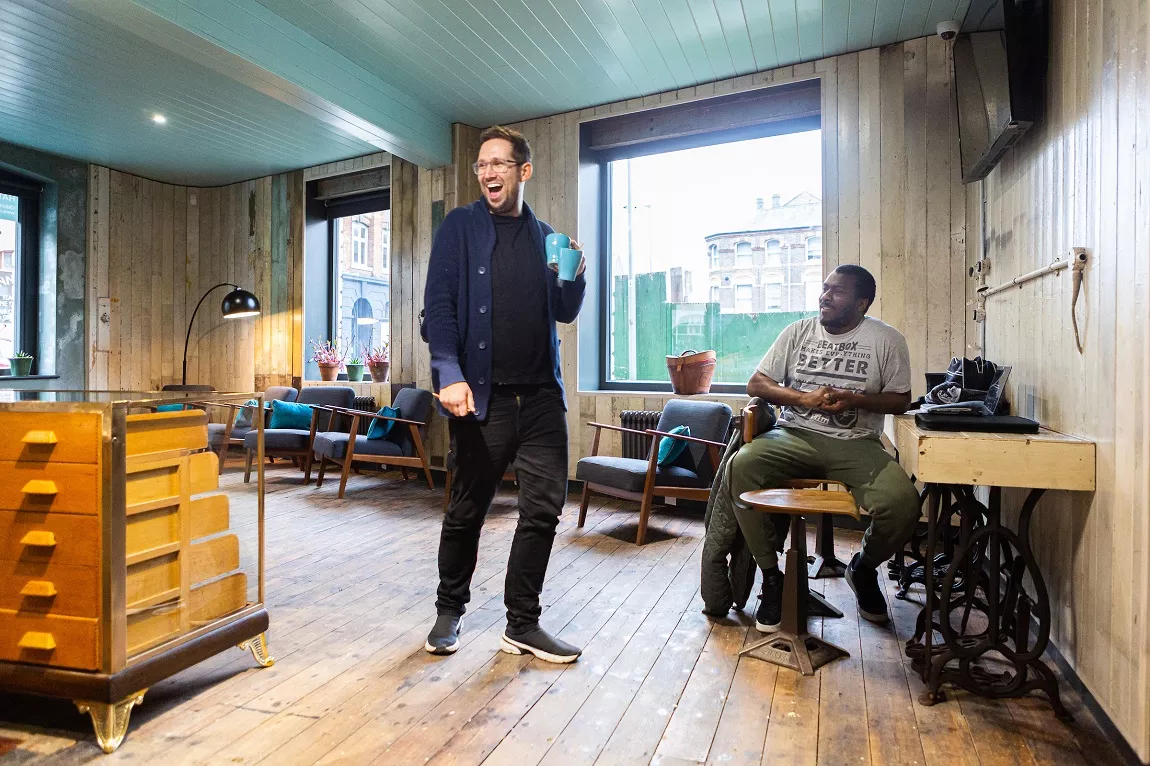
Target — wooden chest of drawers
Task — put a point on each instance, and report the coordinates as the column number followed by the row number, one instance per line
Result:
column 119, row 565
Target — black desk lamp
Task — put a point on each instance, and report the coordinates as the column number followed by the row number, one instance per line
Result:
column 238, row 303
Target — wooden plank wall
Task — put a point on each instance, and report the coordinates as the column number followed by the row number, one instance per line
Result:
column 156, row 248
column 893, row 202
column 1079, row 180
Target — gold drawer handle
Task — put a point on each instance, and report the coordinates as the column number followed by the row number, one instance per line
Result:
column 39, row 641
column 40, row 487
column 39, row 437
column 39, row 538
column 39, row 589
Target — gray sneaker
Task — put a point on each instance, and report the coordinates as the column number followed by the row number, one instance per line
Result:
column 540, row 643
column 444, row 636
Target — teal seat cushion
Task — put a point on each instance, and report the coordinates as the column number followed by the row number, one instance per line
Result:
column 169, row 407
column 290, row 415
column 381, row 428
column 670, row 449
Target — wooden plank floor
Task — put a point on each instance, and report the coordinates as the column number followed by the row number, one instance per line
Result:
column 351, row 589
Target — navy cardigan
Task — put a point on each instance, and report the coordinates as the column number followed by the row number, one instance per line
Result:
column 457, row 300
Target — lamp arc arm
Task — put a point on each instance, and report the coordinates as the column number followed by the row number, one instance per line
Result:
column 188, row 337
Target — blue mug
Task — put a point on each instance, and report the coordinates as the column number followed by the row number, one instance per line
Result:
column 569, row 264
column 556, row 242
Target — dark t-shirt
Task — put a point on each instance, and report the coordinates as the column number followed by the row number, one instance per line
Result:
column 520, row 340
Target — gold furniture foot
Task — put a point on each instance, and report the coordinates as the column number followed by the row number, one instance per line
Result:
column 259, row 650
column 110, row 720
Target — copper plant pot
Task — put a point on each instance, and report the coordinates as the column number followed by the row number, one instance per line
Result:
column 378, row 371
column 328, row 371
column 691, row 372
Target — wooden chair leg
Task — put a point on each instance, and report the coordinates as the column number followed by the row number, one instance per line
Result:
column 427, row 473
column 322, row 468
column 307, row 471
column 346, row 470
column 644, row 515
column 583, row 504
column 248, row 469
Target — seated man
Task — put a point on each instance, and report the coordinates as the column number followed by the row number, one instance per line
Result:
column 834, row 379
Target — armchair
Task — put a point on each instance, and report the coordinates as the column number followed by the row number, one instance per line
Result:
column 402, row 447
column 221, row 436
column 296, row 442
column 688, row 477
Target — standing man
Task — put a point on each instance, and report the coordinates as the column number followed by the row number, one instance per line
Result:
column 492, row 304
column 835, row 378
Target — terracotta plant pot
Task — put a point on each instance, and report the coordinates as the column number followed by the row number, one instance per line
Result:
column 691, row 372
column 21, row 365
column 379, row 371
column 354, row 372
column 328, row 371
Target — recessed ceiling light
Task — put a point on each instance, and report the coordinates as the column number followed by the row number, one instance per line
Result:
column 159, row 119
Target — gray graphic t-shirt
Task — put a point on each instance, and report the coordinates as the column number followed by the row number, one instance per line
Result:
column 873, row 358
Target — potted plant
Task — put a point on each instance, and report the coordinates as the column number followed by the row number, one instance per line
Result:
column 354, row 369
column 377, row 362
column 21, row 363
column 329, row 358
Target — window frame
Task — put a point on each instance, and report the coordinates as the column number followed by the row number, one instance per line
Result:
column 335, row 209
column 27, row 257
column 750, row 255
column 808, row 247
column 359, row 245
column 602, row 158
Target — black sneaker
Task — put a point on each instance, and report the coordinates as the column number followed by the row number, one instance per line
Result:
column 540, row 643
column 444, row 636
column 769, row 615
column 864, row 582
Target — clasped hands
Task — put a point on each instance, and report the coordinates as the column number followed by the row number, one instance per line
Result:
column 828, row 399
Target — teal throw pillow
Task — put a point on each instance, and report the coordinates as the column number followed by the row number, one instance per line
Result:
column 244, row 416
column 381, row 428
column 290, row 415
column 670, row 449
column 169, row 408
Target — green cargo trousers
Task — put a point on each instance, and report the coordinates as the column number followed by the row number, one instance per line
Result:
column 874, row 478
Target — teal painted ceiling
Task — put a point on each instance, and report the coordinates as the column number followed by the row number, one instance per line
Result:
column 251, row 87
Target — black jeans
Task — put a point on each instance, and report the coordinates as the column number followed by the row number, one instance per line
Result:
column 527, row 424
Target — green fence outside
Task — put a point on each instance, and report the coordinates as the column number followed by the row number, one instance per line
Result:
column 663, row 329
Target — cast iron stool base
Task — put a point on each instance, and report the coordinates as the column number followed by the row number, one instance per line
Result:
column 792, row 647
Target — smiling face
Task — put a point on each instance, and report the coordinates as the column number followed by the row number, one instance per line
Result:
column 502, row 190
column 841, row 308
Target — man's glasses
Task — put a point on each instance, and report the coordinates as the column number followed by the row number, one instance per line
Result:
column 499, row 166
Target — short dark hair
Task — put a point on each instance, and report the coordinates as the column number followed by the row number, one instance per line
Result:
column 864, row 283
column 520, row 149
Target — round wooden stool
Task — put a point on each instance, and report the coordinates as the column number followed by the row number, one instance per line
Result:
column 792, row 647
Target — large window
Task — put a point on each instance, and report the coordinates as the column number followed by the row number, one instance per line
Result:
column 9, row 274
column 19, row 267
column 678, row 209
column 363, row 281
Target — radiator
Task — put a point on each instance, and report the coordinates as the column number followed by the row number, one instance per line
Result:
column 635, row 446
column 364, row 404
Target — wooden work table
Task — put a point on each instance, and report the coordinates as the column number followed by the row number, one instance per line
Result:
column 989, row 569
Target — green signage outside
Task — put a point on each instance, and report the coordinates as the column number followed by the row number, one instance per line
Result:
column 8, row 206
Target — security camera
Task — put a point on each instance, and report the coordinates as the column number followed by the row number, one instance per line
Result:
column 948, row 30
